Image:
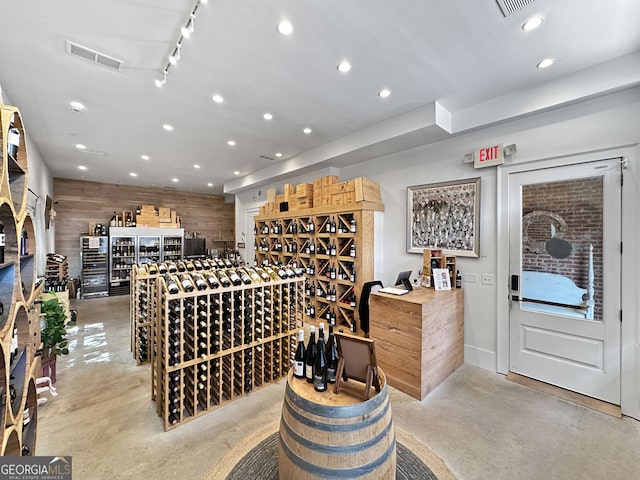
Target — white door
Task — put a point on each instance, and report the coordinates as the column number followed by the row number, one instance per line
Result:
column 564, row 260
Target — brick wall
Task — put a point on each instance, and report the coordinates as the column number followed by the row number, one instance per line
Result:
column 579, row 203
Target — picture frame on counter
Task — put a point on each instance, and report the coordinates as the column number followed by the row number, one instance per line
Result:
column 446, row 216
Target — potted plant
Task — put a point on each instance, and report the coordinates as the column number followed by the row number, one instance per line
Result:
column 54, row 328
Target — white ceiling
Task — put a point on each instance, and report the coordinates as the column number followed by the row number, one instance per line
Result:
column 450, row 65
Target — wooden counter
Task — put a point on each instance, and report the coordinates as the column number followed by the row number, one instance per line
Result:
column 419, row 337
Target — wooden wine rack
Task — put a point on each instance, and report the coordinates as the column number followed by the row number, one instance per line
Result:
column 216, row 345
column 18, row 292
column 143, row 313
column 277, row 230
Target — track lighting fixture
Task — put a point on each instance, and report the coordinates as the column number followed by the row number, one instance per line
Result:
column 185, row 32
column 175, row 56
column 161, row 82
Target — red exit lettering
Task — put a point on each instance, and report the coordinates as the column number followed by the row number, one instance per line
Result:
column 489, row 153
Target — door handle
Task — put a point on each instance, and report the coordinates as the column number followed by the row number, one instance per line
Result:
column 515, row 282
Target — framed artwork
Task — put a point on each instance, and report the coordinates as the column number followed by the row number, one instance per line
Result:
column 445, row 215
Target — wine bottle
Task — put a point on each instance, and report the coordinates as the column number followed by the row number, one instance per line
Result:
column 172, row 284
column 162, row 268
column 224, row 280
column 212, row 280
column 299, row 357
column 244, row 276
column 320, row 367
column 332, row 357
column 458, row 279
column 186, row 282
column 353, row 225
column 255, row 277
column 234, row 277
column 310, row 355
column 201, row 284
column 263, row 274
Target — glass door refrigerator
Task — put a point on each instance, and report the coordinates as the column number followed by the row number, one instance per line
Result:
column 94, row 266
column 122, row 257
column 172, row 246
column 148, row 249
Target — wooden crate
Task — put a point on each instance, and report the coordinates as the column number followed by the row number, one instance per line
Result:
column 367, row 190
column 304, row 190
column 271, row 195
column 164, row 212
column 330, row 180
column 289, row 191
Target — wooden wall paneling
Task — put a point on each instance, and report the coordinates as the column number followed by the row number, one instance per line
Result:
column 78, row 203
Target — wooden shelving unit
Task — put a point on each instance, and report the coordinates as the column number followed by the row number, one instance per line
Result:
column 286, row 238
column 19, row 319
column 434, row 258
column 143, row 312
column 215, row 345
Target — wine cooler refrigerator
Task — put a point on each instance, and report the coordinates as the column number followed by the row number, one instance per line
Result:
column 94, row 263
column 129, row 246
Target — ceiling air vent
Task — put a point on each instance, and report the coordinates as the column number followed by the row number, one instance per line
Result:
column 511, row 6
column 94, row 56
column 266, row 157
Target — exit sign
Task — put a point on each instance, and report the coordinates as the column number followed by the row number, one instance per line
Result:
column 488, row 156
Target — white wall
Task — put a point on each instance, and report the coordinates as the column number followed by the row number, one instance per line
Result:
column 40, row 182
column 600, row 123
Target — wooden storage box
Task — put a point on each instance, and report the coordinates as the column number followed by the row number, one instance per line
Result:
column 289, row 191
column 279, row 199
column 305, row 203
column 164, row 212
column 304, row 190
column 271, row 195
column 367, row 190
column 338, row 199
column 330, row 180
column 343, row 187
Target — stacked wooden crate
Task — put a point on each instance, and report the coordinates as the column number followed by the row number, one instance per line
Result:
column 161, row 217
column 323, row 192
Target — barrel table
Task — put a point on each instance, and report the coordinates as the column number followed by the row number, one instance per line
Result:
column 335, row 436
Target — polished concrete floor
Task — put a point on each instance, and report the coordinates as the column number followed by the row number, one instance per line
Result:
column 483, row 426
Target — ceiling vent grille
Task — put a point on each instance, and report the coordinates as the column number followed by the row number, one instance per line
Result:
column 94, row 56
column 511, row 6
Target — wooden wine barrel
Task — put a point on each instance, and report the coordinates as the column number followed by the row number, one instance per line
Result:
column 336, row 436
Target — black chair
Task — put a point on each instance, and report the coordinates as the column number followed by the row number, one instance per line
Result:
column 363, row 307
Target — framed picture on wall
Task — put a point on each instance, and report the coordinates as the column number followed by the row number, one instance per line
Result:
column 445, row 215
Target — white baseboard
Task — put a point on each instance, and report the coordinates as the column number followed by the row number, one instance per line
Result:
column 479, row 357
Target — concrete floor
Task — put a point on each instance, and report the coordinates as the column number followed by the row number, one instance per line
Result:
column 483, row 426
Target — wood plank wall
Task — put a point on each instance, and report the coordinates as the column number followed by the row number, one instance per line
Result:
column 80, row 202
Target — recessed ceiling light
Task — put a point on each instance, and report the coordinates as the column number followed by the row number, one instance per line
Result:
column 81, row 167
column 76, row 105
column 344, row 66
column 231, row 143
column 285, row 27
column 278, row 154
column 80, row 146
column 174, row 180
column 196, row 166
column 144, row 157
column 209, row 184
column 133, row 174
column 546, row 63
column 384, row 93
column 267, row 116
column 307, row 130
column 236, row 172
column 532, row 23
column 217, row 98
column 167, row 127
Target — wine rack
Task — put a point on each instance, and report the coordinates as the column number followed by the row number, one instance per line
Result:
column 334, row 247
column 218, row 344
column 19, row 320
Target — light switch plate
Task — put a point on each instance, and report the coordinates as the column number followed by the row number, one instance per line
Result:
column 470, row 278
